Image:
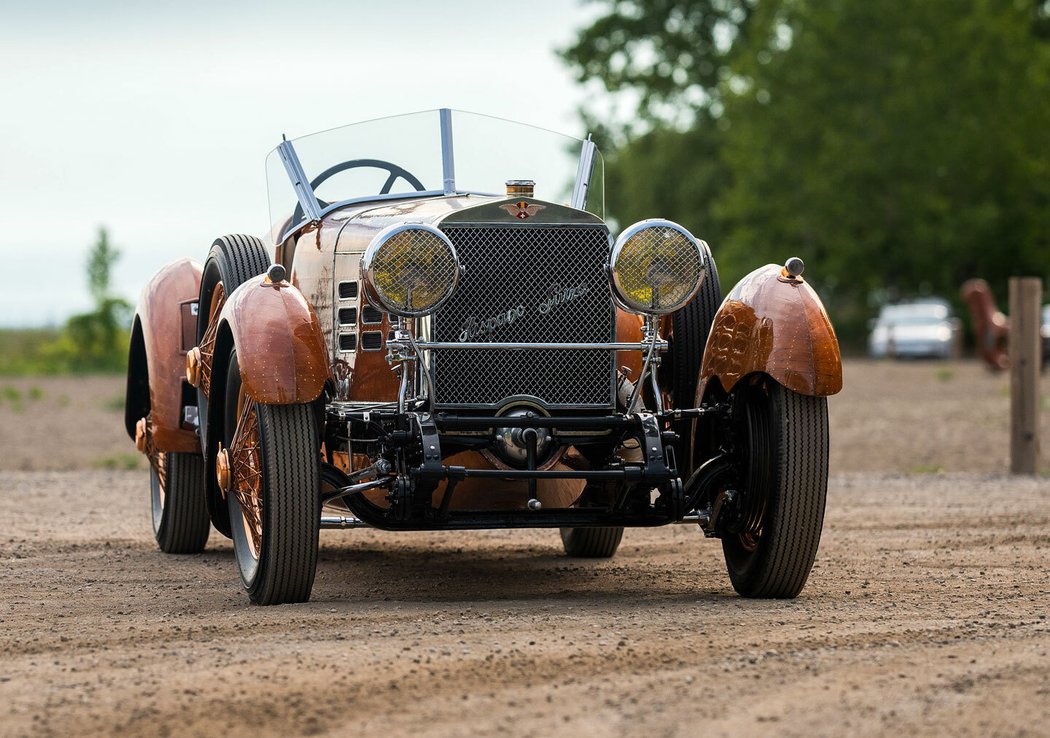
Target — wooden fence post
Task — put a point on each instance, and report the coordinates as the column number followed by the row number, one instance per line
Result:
column 1025, row 358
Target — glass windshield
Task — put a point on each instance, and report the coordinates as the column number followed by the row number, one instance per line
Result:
column 402, row 155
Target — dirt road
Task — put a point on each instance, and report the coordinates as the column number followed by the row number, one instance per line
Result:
column 926, row 612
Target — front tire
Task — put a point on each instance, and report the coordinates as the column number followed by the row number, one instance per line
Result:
column 179, row 506
column 275, row 494
column 771, row 545
column 591, row 543
column 690, row 328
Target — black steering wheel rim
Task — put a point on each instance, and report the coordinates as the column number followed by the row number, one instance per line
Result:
column 396, row 172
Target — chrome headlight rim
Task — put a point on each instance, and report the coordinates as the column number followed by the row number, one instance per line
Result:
column 618, row 289
column 368, row 270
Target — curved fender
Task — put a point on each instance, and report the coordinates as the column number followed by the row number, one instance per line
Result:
column 774, row 323
column 280, row 345
column 165, row 328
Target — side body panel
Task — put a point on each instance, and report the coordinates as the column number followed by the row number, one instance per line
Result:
column 280, row 345
column 165, row 323
column 776, row 324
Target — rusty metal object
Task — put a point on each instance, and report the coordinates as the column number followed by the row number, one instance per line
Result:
column 206, row 349
column 280, row 346
column 629, row 329
column 222, row 470
column 144, row 443
column 140, row 436
column 162, row 319
column 991, row 329
column 193, row 366
column 244, row 470
column 775, row 323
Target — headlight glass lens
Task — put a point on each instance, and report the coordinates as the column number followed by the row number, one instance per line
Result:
column 657, row 267
column 411, row 270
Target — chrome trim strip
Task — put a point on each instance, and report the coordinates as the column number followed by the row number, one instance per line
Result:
column 583, row 175
column 303, row 191
column 448, row 166
column 660, row 345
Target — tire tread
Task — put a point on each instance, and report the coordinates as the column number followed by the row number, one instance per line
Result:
column 791, row 535
column 184, row 524
column 591, row 543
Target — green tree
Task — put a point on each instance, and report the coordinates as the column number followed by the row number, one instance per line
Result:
column 100, row 262
column 95, row 341
column 896, row 147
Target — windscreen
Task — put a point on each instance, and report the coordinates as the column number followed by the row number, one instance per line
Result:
column 403, row 155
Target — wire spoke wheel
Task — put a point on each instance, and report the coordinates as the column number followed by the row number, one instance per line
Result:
column 232, row 260
column 273, row 492
column 773, row 529
column 246, row 472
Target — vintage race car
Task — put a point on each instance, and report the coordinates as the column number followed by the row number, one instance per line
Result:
column 440, row 332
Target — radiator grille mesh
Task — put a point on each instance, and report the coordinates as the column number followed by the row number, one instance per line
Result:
column 527, row 284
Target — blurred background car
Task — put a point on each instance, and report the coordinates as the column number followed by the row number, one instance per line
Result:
column 922, row 328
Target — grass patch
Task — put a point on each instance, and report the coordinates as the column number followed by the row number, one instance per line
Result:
column 944, row 374
column 11, row 394
column 35, row 393
column 123, row 462
column 21, row 350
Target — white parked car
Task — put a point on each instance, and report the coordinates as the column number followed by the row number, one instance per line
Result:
column 917, row 329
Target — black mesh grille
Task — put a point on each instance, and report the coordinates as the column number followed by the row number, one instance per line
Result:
column 526, row 284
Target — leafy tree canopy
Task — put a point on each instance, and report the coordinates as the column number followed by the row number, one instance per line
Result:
column 898, row 147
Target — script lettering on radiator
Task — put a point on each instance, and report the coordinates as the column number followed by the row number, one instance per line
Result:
column 476, row 329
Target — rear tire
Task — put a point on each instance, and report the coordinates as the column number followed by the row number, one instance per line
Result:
column 591, row 543
column 781, row 511
column 179, row 507
column 232, row 260
column 277, row 563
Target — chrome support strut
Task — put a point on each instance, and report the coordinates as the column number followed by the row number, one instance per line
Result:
column 342, row 522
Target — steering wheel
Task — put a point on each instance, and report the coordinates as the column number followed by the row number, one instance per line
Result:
column 395, row 171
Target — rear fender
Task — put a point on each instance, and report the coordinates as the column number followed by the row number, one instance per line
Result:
column 774, row 323
column 280, row 345
column 163, row 331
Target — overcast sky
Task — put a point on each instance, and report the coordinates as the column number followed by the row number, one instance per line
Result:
column 154, row 120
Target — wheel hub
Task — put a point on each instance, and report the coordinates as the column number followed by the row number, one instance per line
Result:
column 222, row 470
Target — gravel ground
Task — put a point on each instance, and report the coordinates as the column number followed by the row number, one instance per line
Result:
column 926, row 613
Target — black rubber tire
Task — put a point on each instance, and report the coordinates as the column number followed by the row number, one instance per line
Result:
column 690, row 328
column 291, row 489
column 787, row 461
column 591, row 543
column 180, row 521
column 232, row 260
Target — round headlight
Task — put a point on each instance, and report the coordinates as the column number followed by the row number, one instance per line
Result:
column 656, row 266
column 410, row 270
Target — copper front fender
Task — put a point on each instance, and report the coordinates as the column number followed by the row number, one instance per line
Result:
column 280, row 346
column 163, row 331
column 773, row 323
